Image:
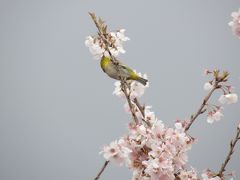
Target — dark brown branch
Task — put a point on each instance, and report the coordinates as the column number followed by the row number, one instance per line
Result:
column 231, row 150
column 142, row 110
column 101, row 171
column 201, row 108
column 103, row 36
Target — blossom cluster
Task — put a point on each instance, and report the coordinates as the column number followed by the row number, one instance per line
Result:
column 151, row 153
column 135, row 89
column 188, row 175
column 97, row 45
column 154, row 151
column 235, row 23
column 209, row 175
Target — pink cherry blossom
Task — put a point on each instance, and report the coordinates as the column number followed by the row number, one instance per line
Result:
column 97, row 47
column 209, row 175
column 115, row 152
column 188, row 174
column 228, row 98
column 208, row 86
column 136, row 89
column 214, row 115
column 235, row 23
column 206, row 72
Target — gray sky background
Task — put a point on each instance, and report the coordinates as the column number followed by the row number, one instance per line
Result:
column 56, row 106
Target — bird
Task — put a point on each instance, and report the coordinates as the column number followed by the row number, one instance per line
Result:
column 118, row 71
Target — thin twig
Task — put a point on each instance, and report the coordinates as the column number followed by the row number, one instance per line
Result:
column 201, row 108
column 102, row 169
column 142, row 110
column 231, row 150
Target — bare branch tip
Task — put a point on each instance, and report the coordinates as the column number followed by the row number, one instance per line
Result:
column 91, row 13
column 93, row 16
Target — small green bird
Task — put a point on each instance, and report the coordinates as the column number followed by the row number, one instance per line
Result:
column 117, row 71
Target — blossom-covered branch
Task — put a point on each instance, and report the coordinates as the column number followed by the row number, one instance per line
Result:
column 211, row 86
column 201, row 109
column 235, row 23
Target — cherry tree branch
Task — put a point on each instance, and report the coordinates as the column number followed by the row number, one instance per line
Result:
column 218, row 79
column 231, row 151
column 201, row 108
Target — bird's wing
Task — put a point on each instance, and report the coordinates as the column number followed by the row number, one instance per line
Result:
column 122, row 66
column 124, row 70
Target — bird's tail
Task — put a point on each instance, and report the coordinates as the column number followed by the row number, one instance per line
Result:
column 142, row 80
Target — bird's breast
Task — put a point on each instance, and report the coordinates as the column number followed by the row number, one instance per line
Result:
column 104, row 63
